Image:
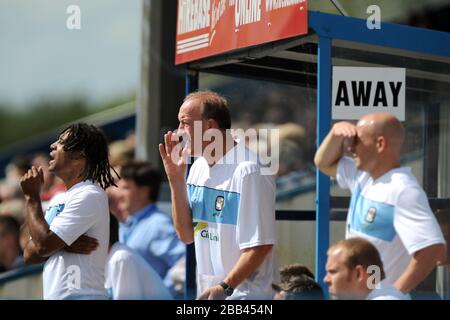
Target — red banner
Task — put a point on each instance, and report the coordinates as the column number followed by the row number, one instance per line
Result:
column 209, row 27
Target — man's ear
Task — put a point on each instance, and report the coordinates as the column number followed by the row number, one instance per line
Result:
column 381, row 143
column 146, row 191
column 360, row 273
column 212, row 124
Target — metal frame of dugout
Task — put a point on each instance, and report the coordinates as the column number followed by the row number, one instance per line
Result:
column 308, row 60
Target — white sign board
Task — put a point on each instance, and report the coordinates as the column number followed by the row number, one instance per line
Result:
column 358, row 91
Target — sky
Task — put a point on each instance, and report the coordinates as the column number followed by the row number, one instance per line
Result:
column 41, row 58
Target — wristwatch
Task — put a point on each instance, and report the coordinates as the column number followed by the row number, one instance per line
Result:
column 228, row 290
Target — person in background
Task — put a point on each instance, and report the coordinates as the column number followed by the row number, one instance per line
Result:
column 297, row 283
column 10, row 251
column 128, row 276
column 148, row 231
column 355, row 272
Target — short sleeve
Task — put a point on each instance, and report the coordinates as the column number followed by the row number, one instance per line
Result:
column 346, row 173
column 256, row 217
column 414, row 221
column 80, row 213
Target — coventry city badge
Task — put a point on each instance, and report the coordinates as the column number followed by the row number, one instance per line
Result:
column 219, row 203
column 370, row 215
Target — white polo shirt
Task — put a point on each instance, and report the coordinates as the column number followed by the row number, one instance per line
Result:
column 233, row 208
column 83, row 209
column 391, row 212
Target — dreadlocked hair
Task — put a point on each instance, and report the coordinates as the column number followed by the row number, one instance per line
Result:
column 89, row 142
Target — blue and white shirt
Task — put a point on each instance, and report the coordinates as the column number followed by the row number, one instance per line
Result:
column 391, row 212
column 233, row 208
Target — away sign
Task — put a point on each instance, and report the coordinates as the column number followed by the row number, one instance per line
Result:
column 360, row 90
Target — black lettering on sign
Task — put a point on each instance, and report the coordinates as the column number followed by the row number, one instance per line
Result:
column 342, row 94
column 395, row 88
column 361, row 91
column 380, row 95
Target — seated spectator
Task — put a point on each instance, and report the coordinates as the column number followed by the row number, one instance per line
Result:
column 116, row 200
column 15, row 208
column 355, row 272
column 120, row 152
column 292, row 270
column 11, row 197
column 297, row 283
column 128, row 275
column 10, row 253
column 148, row 231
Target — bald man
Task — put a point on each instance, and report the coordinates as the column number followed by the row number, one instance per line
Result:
column 388, row 207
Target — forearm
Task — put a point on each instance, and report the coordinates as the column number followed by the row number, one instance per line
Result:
column 249, row 260
column 329, row 153
column 38, row 228
column 30, row 254
column 181, row 213
column 420, row 266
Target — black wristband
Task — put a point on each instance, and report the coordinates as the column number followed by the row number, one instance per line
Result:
column 226, row 288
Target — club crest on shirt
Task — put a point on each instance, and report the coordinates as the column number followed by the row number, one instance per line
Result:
column 371, row 214
column 220, row 201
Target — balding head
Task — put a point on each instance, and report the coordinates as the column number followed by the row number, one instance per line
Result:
column 386, row 125
column 211, row 106
column 358, row 251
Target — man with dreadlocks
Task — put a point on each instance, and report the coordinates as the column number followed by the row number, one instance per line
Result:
column 73, row 234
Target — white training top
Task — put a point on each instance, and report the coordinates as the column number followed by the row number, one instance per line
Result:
column 392, row 212
column 387, row 291
column 233, row 208
column 130, row 277
column 83, row 209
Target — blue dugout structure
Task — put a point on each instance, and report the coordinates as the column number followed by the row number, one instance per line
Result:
column 337, row 40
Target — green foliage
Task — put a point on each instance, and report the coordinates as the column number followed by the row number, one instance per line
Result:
column 45, row 115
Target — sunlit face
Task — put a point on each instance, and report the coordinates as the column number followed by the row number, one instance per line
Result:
column 364, row 147
column 339, row 278
column 117, row 203
column 190, row 116
column 60, row 160
column 134, row 197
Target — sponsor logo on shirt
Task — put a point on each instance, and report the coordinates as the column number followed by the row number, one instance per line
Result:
column 208, row 235
column 200, row 227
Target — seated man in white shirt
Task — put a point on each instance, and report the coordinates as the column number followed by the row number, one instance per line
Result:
column 128, row 276
column 355, row 272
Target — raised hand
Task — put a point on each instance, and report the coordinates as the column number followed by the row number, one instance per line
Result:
column 174, row 156
column 344, row 129
column 32, row 181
